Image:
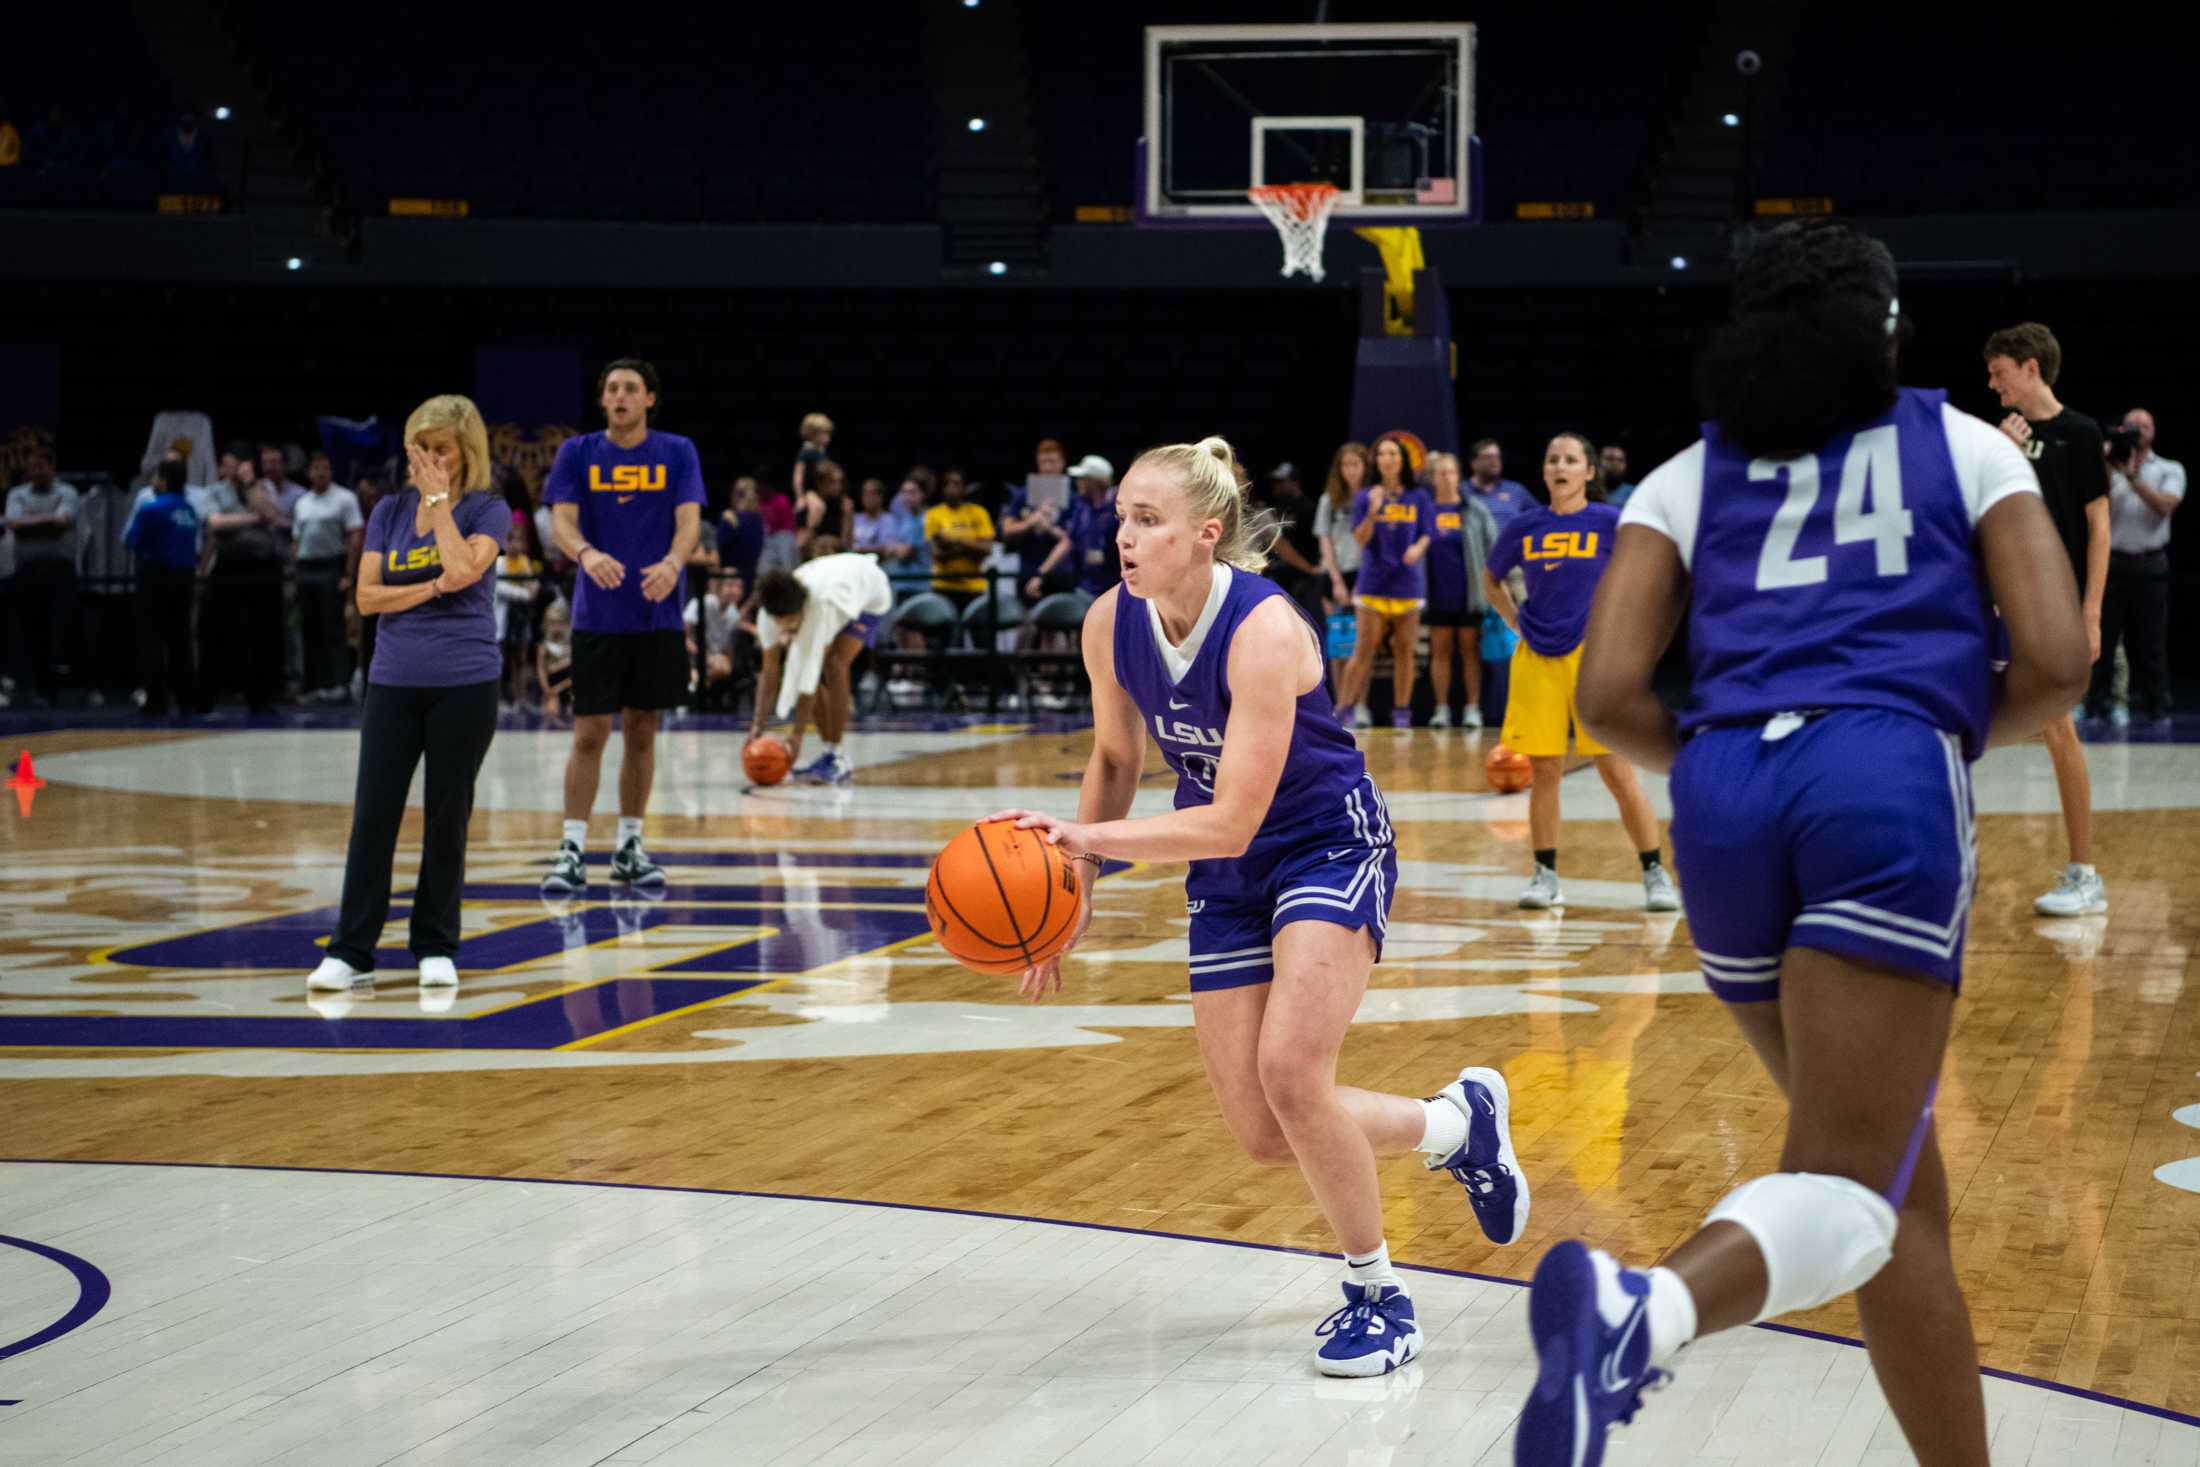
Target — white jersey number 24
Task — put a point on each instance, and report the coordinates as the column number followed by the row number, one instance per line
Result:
column 1873, row 470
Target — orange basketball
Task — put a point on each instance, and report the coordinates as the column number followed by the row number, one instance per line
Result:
column 1001, row 899
column 1506, row 771
column 765, row 760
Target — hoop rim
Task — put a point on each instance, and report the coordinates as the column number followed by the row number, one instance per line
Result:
column 1302, row 199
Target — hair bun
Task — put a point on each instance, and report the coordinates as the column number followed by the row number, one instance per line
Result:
column 1216, row 447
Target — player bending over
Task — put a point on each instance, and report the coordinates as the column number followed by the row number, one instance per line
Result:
column 813, row 622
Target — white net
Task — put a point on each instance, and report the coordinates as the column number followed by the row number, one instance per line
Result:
column 1300, row 212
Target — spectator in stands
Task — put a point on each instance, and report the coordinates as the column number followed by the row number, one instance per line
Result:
column 1034, row 531
column 241, row 615
column 11, row 141
column 713, row 624
column 909, row 505
column 817, row 437
column 329, row 528
column 740, row 532
column 1298, row 567
column 782, row 547
column 1457, row 600
column 1091, row 528
column 826, row 507
column 275, row 470
column 1612, row 472
column 1340, row 560
column 41, row 514
column 188, row 155
column 554, row 658
column 1504, row 497
column 960, row 535
column 515, row 614
column 2144, row 490
column 164, row 534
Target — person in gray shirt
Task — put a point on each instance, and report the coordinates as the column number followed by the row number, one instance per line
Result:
column 41, row 514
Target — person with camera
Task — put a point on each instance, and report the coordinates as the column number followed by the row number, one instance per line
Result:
column 2066, row 450
column 2144, row 490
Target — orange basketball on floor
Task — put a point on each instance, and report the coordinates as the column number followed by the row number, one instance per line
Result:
column 1001, row 899
column 1506, row 771
column 765, row 760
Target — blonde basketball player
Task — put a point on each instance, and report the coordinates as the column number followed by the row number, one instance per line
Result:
column 1292, row 869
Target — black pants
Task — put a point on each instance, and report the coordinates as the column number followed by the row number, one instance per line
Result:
column 164, row 637
column 241, row 630
column 321, row 622
column 452, row 727
column 45, row 620
column 2135, row 611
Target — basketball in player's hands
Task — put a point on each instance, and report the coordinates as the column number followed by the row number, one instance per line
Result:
column 765, row 760
column 1001, row 900
column 1506, row 771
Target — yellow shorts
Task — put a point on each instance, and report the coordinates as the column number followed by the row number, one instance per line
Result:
column 1390, row 607
column 1539, row 706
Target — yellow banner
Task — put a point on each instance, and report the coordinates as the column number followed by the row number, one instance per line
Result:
column 429, row 208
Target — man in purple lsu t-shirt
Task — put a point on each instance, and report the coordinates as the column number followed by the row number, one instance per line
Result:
column 626, row 506
column 427, row 572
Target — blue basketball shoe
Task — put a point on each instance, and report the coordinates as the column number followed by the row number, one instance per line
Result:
column 1589, row 1318
column 827, row 769
column 1485, row 1165
column 1373, row 1334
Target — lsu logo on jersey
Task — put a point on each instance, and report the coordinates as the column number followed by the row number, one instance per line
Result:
column 420, row 557
column 1186, row 733
column 1395, row 513
column 1561, row 545
column 1450, row 521
column 626, row 478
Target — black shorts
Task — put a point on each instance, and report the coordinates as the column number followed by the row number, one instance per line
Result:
column 615, row 670
column 1465, row 620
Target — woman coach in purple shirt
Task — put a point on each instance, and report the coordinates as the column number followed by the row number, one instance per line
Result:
column 427, row 572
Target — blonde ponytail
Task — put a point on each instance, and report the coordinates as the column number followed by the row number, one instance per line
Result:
column 1214, row 485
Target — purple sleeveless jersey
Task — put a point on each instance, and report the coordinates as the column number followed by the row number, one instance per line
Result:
column 1847, row 578
column 1325, row 797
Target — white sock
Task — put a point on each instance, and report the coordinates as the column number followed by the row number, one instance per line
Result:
column 630, row 828
column 1443, row 1127
column 831, row 751
column 1671, row 1311
column 2082, row 869
column 576, row 833
column 1371, row 1268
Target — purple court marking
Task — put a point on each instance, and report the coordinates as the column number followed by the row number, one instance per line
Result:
column 2162, row 1412
column 92, row 1293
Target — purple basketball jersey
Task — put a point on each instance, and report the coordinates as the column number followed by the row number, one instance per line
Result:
column 1845, row 578
column 1320, row 796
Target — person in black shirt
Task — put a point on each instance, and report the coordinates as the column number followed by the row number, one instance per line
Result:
column 2022, row 365
column 1299, row 548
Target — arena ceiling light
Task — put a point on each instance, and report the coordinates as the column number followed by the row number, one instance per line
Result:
column 1731, row 120
column 977, row 124
column 998, row 267
column 221, row 114
column 294, row 263
column 1679, row 262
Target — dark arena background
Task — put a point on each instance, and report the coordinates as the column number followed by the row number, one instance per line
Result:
column 723, row 1156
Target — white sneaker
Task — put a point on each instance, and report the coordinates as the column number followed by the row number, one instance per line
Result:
column 1361, row 718
column 1472, row 718
column 335, row 974
column 1543, row 890
column 1441, row 718
column 438, row 973
column 2078, row 894
column 1658, row 894
column 2119, row 716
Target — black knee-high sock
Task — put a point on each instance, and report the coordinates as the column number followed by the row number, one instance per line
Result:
column 1651, row 858
column 1547, row 858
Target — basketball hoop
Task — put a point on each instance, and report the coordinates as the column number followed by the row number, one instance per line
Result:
column 1300, row 212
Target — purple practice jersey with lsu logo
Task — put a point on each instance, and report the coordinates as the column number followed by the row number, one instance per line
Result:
column 1845, row 578
column 1324, row 795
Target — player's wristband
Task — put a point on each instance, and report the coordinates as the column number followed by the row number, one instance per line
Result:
column 1088, row 856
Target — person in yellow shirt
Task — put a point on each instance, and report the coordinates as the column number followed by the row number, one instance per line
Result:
column 961, row 536
column 11, row 144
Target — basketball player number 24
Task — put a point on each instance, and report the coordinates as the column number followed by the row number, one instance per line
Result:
column 1872, row 468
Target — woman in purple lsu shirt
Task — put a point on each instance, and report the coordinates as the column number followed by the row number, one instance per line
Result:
column 427, row 573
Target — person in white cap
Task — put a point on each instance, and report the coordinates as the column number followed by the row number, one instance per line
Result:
column 1090, row 530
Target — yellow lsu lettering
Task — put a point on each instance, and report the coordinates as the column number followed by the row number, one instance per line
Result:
column 1562, row 545
column 1449, row 522
column 420, row 557
column 1399, row 514
column 626, row 478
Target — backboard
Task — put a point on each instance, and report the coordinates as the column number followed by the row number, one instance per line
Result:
column 1384, row 112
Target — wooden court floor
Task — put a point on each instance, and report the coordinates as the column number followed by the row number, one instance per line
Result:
column 781, row 1024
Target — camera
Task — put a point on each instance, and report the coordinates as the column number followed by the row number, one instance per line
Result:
column 2122, row 443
